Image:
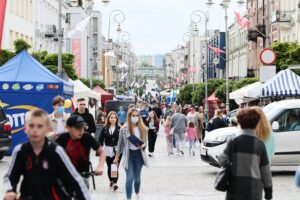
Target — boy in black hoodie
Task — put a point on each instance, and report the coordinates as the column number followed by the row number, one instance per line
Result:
column 87, row 117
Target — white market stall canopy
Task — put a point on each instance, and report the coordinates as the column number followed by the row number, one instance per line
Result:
column 245, row 94
column 81, row 91
column 286, row 83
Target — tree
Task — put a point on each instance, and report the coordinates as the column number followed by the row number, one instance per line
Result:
column 40, row 55
column 51, row 62
column 287, row 53
column 185, row 94
column 94, row 81
column 221, row 94
column 5, row 55
column 21, row 45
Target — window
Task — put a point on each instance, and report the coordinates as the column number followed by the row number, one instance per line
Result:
column 289, row 120
column 95, row 24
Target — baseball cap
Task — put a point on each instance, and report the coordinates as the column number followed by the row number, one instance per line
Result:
column 75, row 121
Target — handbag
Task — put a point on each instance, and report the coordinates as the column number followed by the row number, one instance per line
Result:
column 222, row 181
column 172, row 129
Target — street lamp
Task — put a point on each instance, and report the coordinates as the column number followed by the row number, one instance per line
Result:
column 225, row 4
column 118, row 17
column 196, row 18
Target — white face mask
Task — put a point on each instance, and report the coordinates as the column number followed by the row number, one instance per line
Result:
column 134, row 120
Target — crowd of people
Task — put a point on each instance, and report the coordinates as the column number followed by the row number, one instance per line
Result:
column 55, row 163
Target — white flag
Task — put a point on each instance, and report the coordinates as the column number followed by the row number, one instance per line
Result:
column 79, row 27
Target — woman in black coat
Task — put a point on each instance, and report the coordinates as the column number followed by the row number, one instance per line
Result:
column 109, row 138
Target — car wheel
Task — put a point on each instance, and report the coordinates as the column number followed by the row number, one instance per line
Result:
column 2, row 154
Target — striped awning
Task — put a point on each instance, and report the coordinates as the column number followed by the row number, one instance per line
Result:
column 285, row 83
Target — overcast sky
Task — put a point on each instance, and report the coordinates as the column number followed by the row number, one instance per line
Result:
column 157, row 26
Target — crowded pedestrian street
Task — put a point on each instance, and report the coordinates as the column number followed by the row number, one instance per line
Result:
column 179, row 177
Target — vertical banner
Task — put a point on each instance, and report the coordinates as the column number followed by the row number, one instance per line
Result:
column 2, row 16
column 76, row 50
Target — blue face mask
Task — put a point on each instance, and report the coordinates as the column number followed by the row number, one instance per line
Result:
column 60, row 110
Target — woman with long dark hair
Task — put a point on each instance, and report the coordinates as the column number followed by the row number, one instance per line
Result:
column 132, row 142
column 109, row 139
column 153, row 127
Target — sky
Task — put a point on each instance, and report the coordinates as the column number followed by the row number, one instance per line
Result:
column 157, row 26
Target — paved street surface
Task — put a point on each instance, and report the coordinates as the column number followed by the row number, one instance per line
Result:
column 179, row 177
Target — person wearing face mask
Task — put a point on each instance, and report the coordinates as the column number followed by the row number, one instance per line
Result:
column 134, row 155
column 58, row 118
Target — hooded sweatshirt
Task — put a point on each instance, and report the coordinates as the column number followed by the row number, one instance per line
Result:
column 89, row 120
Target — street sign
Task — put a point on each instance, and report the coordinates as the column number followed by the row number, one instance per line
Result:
column 267, row 72
column 268, row 56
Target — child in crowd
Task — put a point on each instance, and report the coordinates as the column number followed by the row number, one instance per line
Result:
column 169, row 136
column 192, row 137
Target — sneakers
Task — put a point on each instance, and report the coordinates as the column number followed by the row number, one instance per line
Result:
column 182, row 152
column 150, row 154
column 111, row 184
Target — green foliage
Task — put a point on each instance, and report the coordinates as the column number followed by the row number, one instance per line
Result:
column 40, row 55
column 244, row 82
column 50, row 60
column 213, row 84
column 199, row 94
column 20, row 45
column 94, row 81
column 120, row 91
column 185, row 94
column 287, row 53
column 5, row 55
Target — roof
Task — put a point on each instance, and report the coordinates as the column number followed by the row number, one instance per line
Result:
column 243, row 94
column 284, row 83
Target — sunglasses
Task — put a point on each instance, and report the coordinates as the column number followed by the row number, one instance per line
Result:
column 39, row 126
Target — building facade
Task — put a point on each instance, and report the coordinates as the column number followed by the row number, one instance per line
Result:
column 238, row 47
column 19, row 14
column 216, row 62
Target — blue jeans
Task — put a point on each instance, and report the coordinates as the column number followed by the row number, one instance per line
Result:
column 192, row 145
column 133, row 173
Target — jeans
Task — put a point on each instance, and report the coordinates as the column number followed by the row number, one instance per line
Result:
column 180, row 141
column 191, row 145
column 133, row 173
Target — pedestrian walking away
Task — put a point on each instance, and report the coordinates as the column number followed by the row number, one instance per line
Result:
column 78, row 144
column 81, row 110
column 132, row 143
column 169, row 136
column 179, row 125
column 109, row 140
column 46, row 170
column 58, row 118
column 153, row 127
column 249, row 167
column 192, row 137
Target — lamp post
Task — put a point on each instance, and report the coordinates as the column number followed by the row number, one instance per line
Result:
column 125, row 38
column 118, row 17
column 225, row 4
column 60, row 31
column 196, row 18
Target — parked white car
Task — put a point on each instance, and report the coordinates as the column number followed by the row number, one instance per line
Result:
column 285, row 119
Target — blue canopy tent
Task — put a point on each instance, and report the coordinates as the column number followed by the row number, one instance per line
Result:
column 25, row 84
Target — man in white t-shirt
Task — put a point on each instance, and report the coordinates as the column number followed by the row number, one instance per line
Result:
column 58, row 118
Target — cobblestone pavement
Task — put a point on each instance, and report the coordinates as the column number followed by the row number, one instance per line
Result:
column 179, row 177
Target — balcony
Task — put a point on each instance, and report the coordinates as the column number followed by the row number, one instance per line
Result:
column 50, row 31
column 282, row 19
column 253, row 34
